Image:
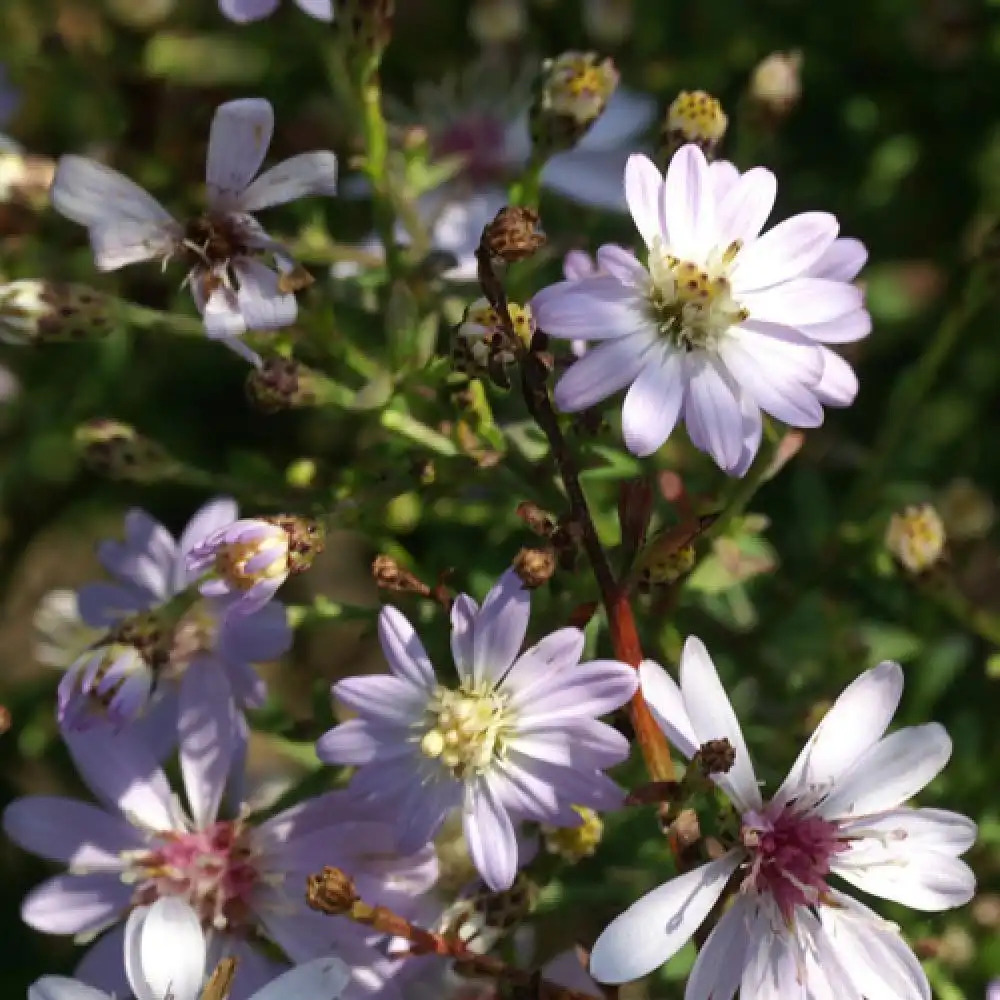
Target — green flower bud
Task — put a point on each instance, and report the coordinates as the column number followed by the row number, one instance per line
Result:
column 118, row 451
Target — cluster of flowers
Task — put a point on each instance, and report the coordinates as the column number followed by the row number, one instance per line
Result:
column 718, row 324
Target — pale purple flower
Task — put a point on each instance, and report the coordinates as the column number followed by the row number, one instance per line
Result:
column 840, row 811
column 993, row 990
column 244, row 11
column 576, row 266
column 233, row 290
column 719, row 324
column 482, row 119
column 518, row 739
column 243, row 564
column 244, row 880
column 211, row 653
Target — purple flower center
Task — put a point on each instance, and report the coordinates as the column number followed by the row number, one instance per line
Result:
column 215, row 870
column 480, row 143
column 789, row 855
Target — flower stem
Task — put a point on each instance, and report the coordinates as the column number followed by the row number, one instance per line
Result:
column 377, row 145
column 409, row 427
column 526, row 190
column 142, row 318
column 914, row 385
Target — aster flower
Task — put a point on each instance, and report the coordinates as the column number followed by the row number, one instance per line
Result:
column 715, row 327
column 244, row 11
column 203, row 659
column 244, row 880
column 164, row 959
column 840, row 812
column 232, row 289
column 518, row 739
column 482, row 118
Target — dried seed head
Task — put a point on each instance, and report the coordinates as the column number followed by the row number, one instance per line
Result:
column 541, row 522
column 39, row 312
column 331, row 891
column 281, row 384
column 118, row 451
column 572, row 93
column 716, row 757
column 514, row 234
column 535, row 567
column 306, row 539
column 694, row 116
column 389, row 575
column 916, row 538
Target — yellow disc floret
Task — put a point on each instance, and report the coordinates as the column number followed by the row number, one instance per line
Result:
column 465, row 730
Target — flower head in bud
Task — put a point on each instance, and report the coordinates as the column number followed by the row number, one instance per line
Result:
column 480, row 346
column 280, row 384
column 916, row 538
column 697, row 117
column 38, row 312
column 119, row 451
column 573, row 91
column 389, row 575
column 776, row 84
column 535, row 567
column 366, row 27
column 574, row 843
column 244, row 563
column 306, row 539
column 114, row 680
column 514, row 234
column 331, row 891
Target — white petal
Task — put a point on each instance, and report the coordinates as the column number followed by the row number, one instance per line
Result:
column 621, row 264
column 63, row 988
column 219, row 308
column 644, row 193
column 165, row 951
column 712, row 410
column 719, row 967
column 842, row 261
column 838, row 386
column 871, row 951
column 118, row 243
column 777, row 369
column 653, row 929
column 713, row 718
column 802, row 301
column 667, row 705
column 723, row 176
column 626, row 115
column 653, row 403
column 499, row 629
column 321, row 979
column 92, row 194
column 689, row 204
column 588, row 177
column 844, row 329
column 856, row 721
column 403, row 649
column 490, row 836
column 903, row 830
column 261, row 304
column 297, row 177
column 238, row 140
column 892, row 771
column 753, row 431
column 600, row 308
column 600, row 373
column 771, row 970
column 746, row 206
column 784, row 252
column 922, row 880
column 463, row 614
column 322, row 10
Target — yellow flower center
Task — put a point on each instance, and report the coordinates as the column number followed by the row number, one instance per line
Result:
column 577, row 86
column 916, row 537
column 465, row 730
column 232, row 560
column 693, row 305
column 573, row 843
column 697, row 117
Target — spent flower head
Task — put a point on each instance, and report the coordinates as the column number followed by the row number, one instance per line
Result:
column 916, row 537
column 516, row 739
column 720, row 323
column 232, row 288
column 840, row 812
column 40, row 312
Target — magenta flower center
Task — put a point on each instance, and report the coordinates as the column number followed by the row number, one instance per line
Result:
column 480, row 143
column 789, row 855
column 215, row 870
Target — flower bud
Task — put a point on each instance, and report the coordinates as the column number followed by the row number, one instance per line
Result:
column 38, row 312
column 118, row 451
column 280, row 384
column 694, row 116
column 331, row 891
column 306, row 539
column 366, row 27
column 514, row 234
column 389, row 575
column 479, row 346
column 916, row 538
column 572, row 92
column 776, row 85
column 535, row 567
column 574, row 843
column 497, row 22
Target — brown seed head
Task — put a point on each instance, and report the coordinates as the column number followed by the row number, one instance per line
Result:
column 535, row 567
column 280, row 384
column 331, row 891
column 306, row 539
column 514, row 234
column 389, row 575
column 716, row 757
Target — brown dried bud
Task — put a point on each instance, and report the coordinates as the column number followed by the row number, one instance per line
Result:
column 716, row 757
column 306, row 539
column 514, row 234
column 280, row 384
column 535, row 567
column 389, row 575
column 541, row 522
column 685, row 829
column 42, row 312
column 118, row 450
column 331, row 891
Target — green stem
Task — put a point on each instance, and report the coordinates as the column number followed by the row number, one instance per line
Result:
column 377, row 145
column 409, row 427
column 141, row 318
column 914, row 385
column 977, row 620
column 526, row 190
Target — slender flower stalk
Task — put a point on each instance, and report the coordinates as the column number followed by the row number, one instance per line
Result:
column 840, row 811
